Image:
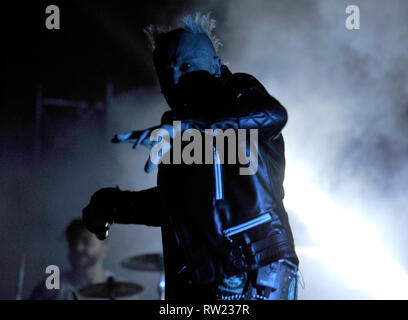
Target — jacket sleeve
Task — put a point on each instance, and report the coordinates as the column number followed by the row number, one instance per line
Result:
column 139, row 207
column 252, row 108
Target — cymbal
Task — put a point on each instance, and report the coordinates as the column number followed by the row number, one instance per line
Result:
column 111, row 289
column 144, row 262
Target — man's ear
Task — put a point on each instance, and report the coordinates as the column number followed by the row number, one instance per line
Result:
column 216, row 66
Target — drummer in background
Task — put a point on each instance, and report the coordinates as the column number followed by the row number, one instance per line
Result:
column 86, row 255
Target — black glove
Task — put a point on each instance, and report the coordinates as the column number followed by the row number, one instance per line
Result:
column 101, row 211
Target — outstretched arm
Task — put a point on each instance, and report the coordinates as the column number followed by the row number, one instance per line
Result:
column 250, row 107
column 111, row 205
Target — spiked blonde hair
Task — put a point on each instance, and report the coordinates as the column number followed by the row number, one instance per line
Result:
column 198, row 23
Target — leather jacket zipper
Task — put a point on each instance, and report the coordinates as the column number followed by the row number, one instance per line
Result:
column 266, row 217
column 219, row 188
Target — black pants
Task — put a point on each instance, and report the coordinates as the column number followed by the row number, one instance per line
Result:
column 276, row 281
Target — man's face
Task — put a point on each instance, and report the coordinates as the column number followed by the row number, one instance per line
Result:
column 86, row 251
column 181, row 53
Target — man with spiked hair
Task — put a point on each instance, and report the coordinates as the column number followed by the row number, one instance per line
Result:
column 225, row 235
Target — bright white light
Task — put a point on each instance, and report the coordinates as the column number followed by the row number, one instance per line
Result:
column 350, row 246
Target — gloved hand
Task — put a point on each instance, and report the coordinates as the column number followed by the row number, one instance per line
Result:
column 138, row 138
column 101, row 211
column 143, row 137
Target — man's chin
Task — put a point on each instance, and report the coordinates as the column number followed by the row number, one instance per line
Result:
column 81, row 263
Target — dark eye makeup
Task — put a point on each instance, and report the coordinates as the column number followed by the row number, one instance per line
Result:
column 185, row 67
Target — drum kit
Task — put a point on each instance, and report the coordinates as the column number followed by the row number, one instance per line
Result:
column 112, row 289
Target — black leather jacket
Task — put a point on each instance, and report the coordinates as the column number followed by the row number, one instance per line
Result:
column 215, row 225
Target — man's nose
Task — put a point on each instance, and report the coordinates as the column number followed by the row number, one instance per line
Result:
column 79, row 248
column 176, row 75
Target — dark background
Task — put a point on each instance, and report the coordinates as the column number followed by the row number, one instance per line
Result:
column 345, row 92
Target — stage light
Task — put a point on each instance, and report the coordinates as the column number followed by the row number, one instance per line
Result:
column 348, row 245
